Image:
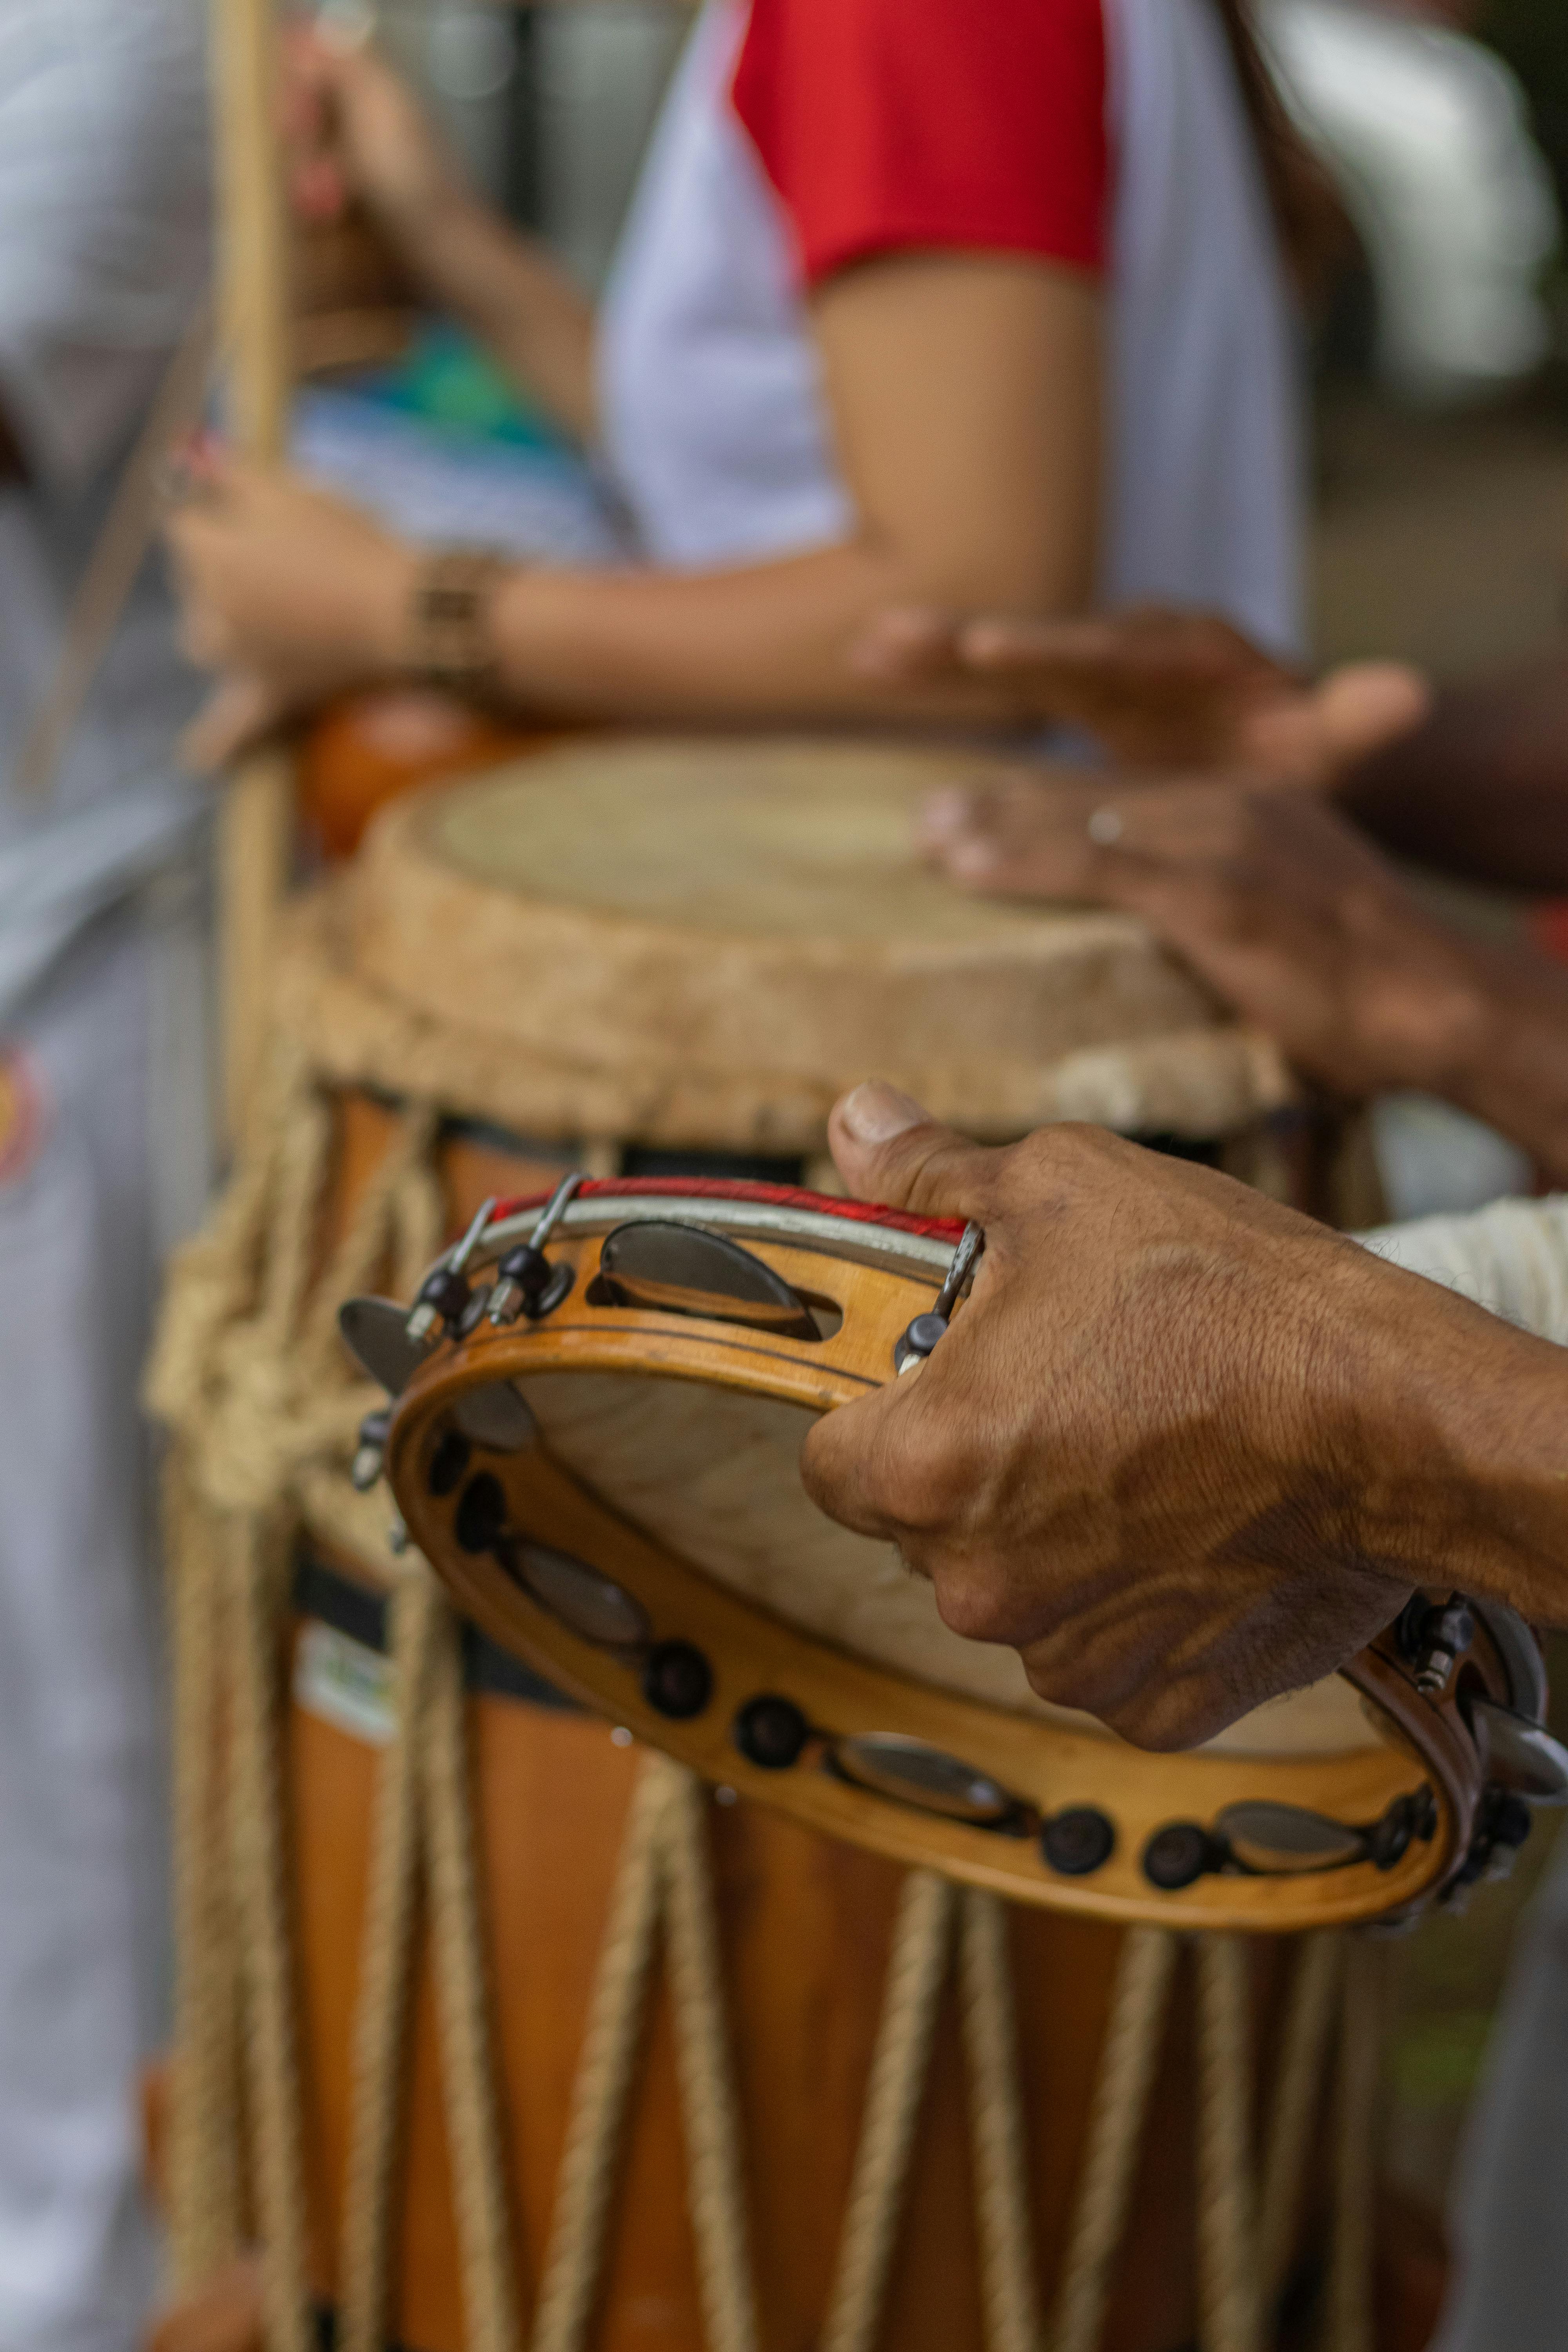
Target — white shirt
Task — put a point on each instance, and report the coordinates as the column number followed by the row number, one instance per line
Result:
column 104, row 254
column 714, row 420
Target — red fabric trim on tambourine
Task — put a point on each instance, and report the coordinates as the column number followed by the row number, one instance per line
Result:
column 734, row 1188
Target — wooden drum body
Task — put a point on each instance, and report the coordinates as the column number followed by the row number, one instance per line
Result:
column 805, row 1930
column 833, row 2098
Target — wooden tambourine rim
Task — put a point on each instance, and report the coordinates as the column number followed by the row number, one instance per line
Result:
column 753, row 1652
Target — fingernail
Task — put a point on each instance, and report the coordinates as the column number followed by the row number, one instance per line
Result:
column 875, row 1112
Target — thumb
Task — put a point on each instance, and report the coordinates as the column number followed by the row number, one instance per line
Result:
column 1351, row 713
column 888, row 1150
column 1365, row 705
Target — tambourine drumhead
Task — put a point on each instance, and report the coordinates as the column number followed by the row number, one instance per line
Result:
column 753, row 915
column 714, row 1475
column 614, row 1490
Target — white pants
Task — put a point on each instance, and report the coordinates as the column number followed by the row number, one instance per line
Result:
column 82, row 1878
column 1511, row 2285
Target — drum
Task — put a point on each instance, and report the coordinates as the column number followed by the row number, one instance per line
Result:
column 834, row 2009
column 599, row 1456
column 370, row 747
column 499, row 2021
column 699, row 944
column 569, row 2035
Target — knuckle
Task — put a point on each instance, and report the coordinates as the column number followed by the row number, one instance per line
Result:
column 932, row 1488
column 1071, row 1683
column 1056, row 1159
column 1157, row 1731
column 973, row 1600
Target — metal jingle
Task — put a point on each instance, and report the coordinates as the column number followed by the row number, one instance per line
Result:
column 375, row 1333
column 1519, row 1651
column 495, row 1415
column 1280, row 1840
column 891, row 1765
column 686, row 1270
column 1518, row 1754
column 589, row 1604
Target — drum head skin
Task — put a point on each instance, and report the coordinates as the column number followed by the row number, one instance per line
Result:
column 750, row 919
column 650, row 1548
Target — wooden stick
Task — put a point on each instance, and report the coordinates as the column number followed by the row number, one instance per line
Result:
column 256, row 825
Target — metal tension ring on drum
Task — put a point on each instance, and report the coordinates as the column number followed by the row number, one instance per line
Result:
column 526, row 1282
column 917, row 1341
column 446, row 1294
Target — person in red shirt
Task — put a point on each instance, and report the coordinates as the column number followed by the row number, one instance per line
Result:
column 917, row 302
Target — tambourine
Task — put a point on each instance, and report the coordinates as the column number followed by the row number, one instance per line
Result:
column 599, row 1406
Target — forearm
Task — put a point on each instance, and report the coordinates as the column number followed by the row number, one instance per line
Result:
column 1480, row 788
column 530, row 315
column 762, row 642
column 1467, row 1451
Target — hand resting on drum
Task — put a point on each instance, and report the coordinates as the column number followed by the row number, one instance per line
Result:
column 1160, row 686
column 962, row 393
column 1299, row 924
column 1183, row 1448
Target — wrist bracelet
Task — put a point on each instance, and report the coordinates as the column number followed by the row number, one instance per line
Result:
column 451, row 619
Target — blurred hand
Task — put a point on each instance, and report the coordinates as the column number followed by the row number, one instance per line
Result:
column 290, row 594
column 1159, row 687
column 355, row 133
column 1288, row 912
column 1152, row 1453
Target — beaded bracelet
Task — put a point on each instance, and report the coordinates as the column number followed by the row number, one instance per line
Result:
column 453, row 638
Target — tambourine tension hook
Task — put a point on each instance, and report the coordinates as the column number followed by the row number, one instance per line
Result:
column 921, row 1337
column 446, row 1292
column 526, row 1282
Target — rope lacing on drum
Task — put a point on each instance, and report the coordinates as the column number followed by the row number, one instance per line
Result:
column 264, row 1411
column 248, row 1377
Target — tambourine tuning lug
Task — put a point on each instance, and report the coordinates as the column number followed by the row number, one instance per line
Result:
column 923, row 1334
column 445, row 1296
column 505, row 1304
column 527, row 1285
column 916, row 1343
column 1435, row 1635
column 368, row 1454
column 1433, row 1671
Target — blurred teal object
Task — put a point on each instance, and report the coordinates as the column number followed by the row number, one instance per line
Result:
column 445, row 379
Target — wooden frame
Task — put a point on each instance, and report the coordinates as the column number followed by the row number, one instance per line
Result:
column 1421, row 1743
column 256, row 829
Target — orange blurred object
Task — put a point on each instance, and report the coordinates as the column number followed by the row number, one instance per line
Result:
column 366, row 750
column 1547, row 924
